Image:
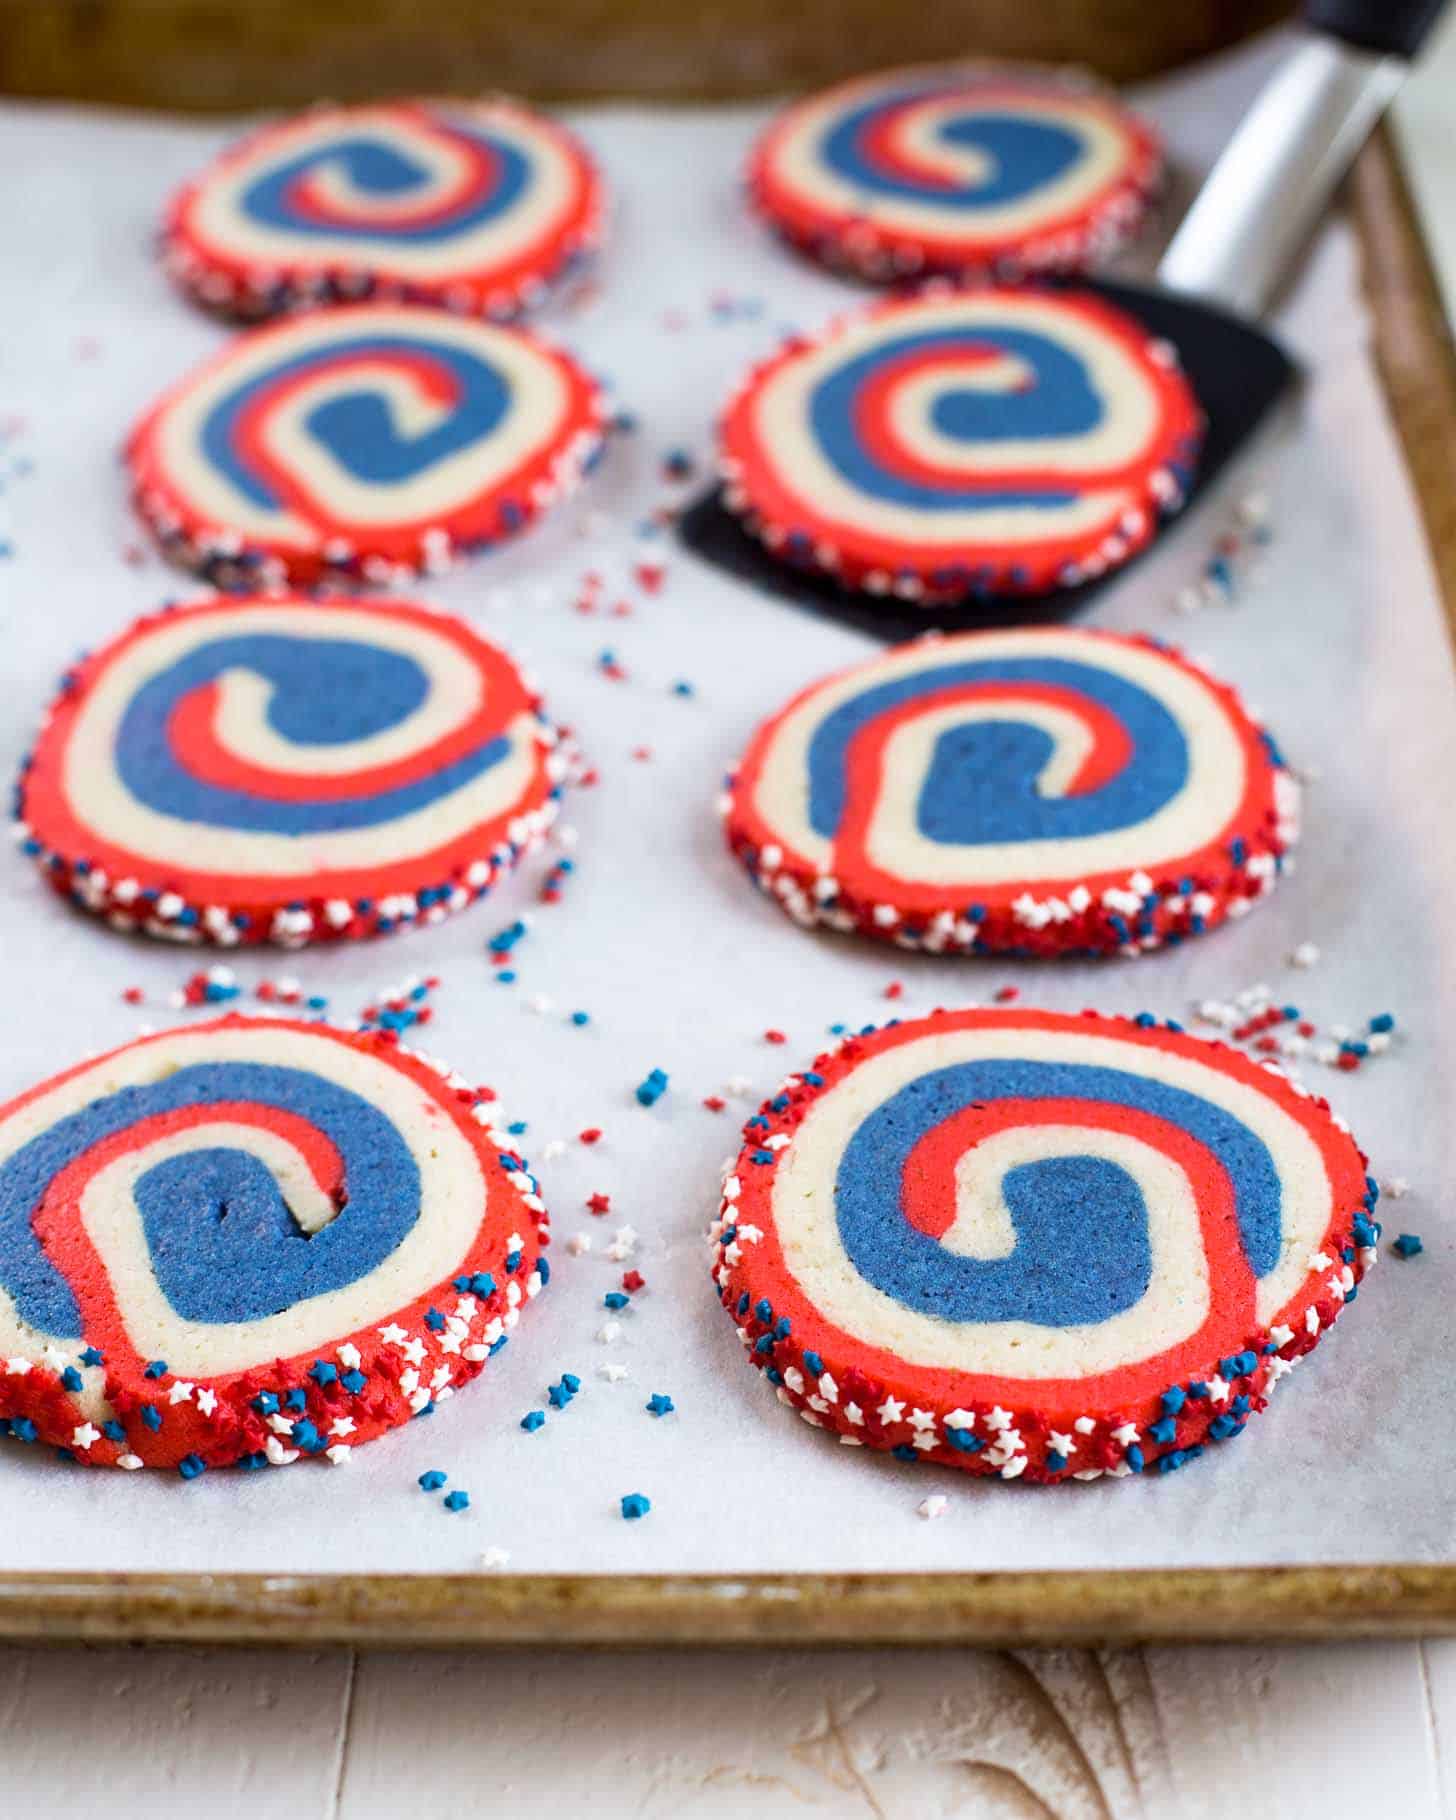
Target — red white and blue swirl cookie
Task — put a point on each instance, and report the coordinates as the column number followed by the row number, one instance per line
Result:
column 288, row 770
column 1037, row 1245
column 474, row 205
column 252, row 1241
column 954, row 445
column 960, row 169
column 371, row 441
column 1040, row 791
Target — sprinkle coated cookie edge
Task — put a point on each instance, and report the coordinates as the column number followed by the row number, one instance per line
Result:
column 382, row 554
column 886, row 253
column 812, row 1365
column 229, row 283
column 336, row 1397
column 1126, row 915
column 772, row 507
column 144, row 897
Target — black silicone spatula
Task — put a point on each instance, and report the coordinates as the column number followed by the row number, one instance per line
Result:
column 1223, row 268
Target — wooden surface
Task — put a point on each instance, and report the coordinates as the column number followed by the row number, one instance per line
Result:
column 1353, row 1730
column 1413, row 345
column 217, row 54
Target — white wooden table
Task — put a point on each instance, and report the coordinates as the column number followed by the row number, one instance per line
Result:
column 1353, row 1730
column 1357, row 1730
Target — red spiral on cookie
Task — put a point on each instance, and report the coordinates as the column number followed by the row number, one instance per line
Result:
column 1038, row 1245
column 371, row 441
column 960, row 169
column 954, row 445
column 252, row 1241
column 284, row 769
column 1048, row 790
column 474, row 205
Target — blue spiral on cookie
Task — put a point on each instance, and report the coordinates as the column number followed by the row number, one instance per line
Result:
column 400, row 176
column 1027, row 1197
column 1017, row 776
column 956, row 169
column 222, row 1243
column 961, row 443
column 254, row 754
column 984, row 782
column 473, row 204
column 952, row 148
column 322, row 692
column 1082, row 1251
column 373, row 434
column 233, row 1195
column 905, row 422
column 373, row 414
column 353, row 426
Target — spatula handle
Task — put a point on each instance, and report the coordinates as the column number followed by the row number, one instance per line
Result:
column 1274, row 181
column 1393, row 28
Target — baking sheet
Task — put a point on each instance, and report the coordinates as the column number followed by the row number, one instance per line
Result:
column 1339, row 642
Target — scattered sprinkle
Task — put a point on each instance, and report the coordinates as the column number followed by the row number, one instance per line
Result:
column 650, row 1091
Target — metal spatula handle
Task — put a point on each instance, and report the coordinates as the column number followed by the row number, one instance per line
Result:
column 1275, row 178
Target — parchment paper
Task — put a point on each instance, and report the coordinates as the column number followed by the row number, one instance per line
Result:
column 682, row 966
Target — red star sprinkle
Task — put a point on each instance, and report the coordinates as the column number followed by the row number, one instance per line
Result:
column 632, row 1281
column 599, row 1203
